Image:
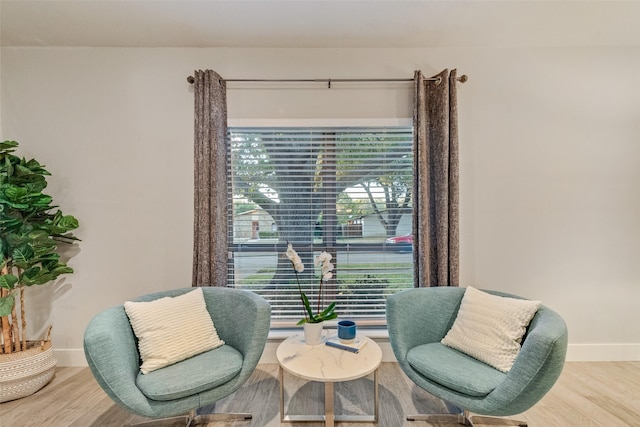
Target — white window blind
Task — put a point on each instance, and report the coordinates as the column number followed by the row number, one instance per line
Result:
column 346, row 191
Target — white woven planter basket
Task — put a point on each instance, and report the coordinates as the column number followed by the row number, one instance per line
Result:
column 24, row 372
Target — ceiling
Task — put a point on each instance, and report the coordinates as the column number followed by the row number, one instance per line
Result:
column 318, row 23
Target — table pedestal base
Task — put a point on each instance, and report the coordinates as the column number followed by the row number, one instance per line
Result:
column 329, row 417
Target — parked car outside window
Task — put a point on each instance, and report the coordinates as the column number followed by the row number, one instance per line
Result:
column 401, row 243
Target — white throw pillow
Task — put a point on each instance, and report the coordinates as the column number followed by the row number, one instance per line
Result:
column 490, row 328
column 172, row 329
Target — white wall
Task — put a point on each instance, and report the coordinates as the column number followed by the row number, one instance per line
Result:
column 550, row 166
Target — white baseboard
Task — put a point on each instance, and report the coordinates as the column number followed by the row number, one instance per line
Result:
column 70, row 356
column 603, row 352
column 575, row 353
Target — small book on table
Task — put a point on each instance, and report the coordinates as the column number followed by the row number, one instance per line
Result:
column 355, row 346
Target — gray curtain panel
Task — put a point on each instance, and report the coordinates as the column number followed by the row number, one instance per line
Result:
column 435, row 220
column 210, row 230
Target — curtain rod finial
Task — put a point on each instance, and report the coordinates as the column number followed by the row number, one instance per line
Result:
column 190, row 79
column 463, row 78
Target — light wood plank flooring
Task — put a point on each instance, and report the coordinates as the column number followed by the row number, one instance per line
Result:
column 603, row 394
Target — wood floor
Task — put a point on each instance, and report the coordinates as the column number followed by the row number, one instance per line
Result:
column 603, row 394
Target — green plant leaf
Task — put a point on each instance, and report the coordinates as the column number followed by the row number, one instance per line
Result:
column 36, row 167
column 328, row 313
column 40, row 201
column 31, row 272
column 329, row 309
column 22, row 171
column 6, row 305
column 30, row 227
column 14, row 193
column 68, row 222
column 22, row 257
column 329, row 317
column 8, row 281
column 6, row 146
column 38, row 235
column 61, row 269
column 14, row 239
column 307, row 306
column 36, row 276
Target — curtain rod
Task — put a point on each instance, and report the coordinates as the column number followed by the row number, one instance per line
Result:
column 463, row 78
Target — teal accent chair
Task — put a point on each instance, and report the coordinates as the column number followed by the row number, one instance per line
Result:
column 417, row 319
column 242, row 320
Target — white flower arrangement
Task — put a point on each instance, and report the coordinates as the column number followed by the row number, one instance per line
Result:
column 323, row 260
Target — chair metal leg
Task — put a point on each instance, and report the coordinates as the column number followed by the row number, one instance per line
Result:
column 466, row 420
column 210, row 418
column 495, row 421
column 440, row 418
column 192, row 419
column 171, row 421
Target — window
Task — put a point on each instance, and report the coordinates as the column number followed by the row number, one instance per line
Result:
column 344, row 190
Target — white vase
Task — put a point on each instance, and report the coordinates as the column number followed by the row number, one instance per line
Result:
column 313, row 333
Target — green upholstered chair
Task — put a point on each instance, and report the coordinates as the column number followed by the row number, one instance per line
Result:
column 242, row 320
column 417, row 319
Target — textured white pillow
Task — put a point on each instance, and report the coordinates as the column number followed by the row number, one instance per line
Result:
column 490, row 327
column 172, row 329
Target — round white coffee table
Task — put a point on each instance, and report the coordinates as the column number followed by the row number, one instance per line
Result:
column 328, row 365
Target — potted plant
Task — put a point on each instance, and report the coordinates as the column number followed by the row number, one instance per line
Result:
column 30, row 231
column 312, row 321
